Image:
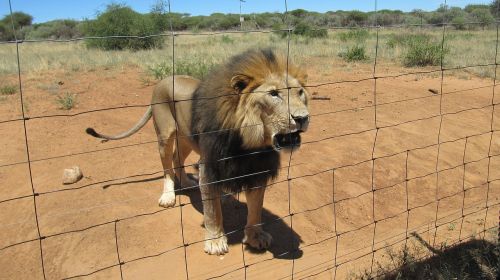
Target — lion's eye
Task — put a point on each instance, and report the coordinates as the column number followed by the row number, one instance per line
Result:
column 301, row 92
column 274, row 93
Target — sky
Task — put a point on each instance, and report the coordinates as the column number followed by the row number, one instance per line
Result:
column 46, row 10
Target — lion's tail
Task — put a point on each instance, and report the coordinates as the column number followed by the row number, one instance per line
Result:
column 145, row 118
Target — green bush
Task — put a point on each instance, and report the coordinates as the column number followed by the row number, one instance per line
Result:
column 8, row 90
column 56, row 29
column 226, row 39
column 66, row 101
column 423, row 52
column 304, row 29
column 198, row 69
column 406, row 39
column 419, row 49
column 301, row 29
column 354, row 53
column 358, row 35
column 119, row 20
column 21, row 22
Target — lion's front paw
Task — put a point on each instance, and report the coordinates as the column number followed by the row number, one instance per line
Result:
column 167, row 199
column 216, row 246
column 257, row 238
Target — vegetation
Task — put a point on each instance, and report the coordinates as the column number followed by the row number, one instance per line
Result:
column 475, row 259
column 358, row 35
column 8, row 90
column 20, row 21
column 66, row 101
column 307, row 30
column 195, row 55
column 56, row 29
column 420, row 49
column 354, row 53
column 196, row 69
column 119, row 20
column 423, row 52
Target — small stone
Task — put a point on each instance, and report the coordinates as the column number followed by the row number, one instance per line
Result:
column 72, row 175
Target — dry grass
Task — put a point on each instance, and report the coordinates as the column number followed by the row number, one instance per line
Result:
column 465, row 48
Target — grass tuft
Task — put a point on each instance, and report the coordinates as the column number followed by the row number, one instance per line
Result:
column 198, row 69
column 8, row 90
column 423, row 53
column 358, row 35
column 354, row 53
column 225, row 39
column 66, row 101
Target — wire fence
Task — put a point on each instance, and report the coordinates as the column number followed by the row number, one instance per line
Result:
column 334, row 258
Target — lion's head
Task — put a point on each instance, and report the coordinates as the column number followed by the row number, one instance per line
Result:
column 269, row 104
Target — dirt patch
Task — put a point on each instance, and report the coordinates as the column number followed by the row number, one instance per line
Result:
column 337, row 155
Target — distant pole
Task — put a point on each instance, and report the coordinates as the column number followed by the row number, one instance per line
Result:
column 241, row 19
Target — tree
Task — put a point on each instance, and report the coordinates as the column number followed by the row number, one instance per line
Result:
column 469, row 8
column 495, row 8
column 459, row 22
column 121, row 20
column 20, row 19
column 300, row 13
column 483, row 16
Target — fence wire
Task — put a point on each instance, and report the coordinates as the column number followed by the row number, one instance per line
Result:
column 330, row 264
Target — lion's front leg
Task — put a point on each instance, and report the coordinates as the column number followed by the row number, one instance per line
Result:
column 215, row 240
column 255, row 236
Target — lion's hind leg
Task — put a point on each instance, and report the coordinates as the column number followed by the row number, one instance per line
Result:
column 182, row 151
column 165, row 147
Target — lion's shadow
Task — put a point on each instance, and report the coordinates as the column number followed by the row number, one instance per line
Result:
column 286, row 241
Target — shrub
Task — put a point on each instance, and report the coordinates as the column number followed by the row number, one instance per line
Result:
column 423, row 52
column 21, row 22
column 198, row 69
column 56, row 29
column 459, row 22
column 354, row 53
column 119, row 20
column 66, row 101
column 304, row 29
column 357, row 35
column 226, row 39
column 279, row 29
column 405, row 39
column 8, row 90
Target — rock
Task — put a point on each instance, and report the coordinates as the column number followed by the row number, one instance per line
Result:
column 72, row 175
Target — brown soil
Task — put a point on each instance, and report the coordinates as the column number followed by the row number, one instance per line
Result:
column 80, row 221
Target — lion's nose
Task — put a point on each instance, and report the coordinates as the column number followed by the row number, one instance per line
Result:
column 301, row 121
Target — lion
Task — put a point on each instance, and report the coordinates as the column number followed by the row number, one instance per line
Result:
column 237, row 119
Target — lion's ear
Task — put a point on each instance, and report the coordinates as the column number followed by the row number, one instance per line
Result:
column 239, row 82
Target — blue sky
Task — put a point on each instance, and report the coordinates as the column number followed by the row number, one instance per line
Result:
column 45, row 10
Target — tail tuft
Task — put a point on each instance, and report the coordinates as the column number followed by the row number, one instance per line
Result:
column 92, row 132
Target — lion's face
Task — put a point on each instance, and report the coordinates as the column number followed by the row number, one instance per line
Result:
column 279, row 109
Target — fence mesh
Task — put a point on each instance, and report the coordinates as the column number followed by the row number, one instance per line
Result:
column 344, row 245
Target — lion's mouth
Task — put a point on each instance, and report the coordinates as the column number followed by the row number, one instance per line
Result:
column 287, row 141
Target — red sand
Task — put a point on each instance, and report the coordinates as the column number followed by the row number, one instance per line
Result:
column 87, row 204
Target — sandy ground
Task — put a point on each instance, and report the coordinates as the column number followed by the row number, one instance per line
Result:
column 122, row 182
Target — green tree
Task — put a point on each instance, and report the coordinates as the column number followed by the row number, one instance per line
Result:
column 495, row 8
column 121, row 20
column 459, row 22
column 21, row 20
column 469, row 8
column 483, row 16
